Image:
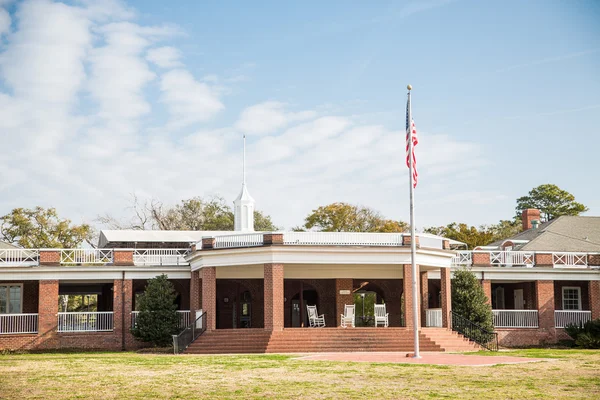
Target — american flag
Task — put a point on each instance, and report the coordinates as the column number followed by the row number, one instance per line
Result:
column 411, row 133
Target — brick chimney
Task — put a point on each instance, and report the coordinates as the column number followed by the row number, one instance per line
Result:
column 528, row 215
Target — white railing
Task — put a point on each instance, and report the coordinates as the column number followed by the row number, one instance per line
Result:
column 563, row 318
column 515, row 318
column 18, row 323
column 86, row 256
column 101, row 321
column 433, row 317
column 184, row 318
column 570, row 260
column 19, row 257
column 510, row 258
column 342, row 238
column 241, row 240
column 432, row 242
column 160, row 256
column 463, row 258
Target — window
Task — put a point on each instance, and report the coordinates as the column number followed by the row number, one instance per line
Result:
column 11, row 299
column 571, row 298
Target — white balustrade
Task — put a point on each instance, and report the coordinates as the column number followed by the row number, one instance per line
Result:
column 86, row 256
column 101, row 321
column 578, row 260
column 431, row 242
column 433, row 317
column 563, row 318
column 463, row 258
column 18, row 323
column 239, row 240
column 19, row 257
column 184, row 317
column 512, row 258
column 515, row 318
column 160, row 256
column 342, row 238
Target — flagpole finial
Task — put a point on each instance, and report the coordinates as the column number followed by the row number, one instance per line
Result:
column 409, row 87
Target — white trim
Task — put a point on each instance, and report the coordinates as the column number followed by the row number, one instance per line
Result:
column 9, row 284
column 578, row 289
column 92, row 273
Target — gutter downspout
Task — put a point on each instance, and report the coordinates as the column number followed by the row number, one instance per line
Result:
column 123, row 310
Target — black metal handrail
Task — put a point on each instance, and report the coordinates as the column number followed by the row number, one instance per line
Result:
column 189, row 334
column 474, row 332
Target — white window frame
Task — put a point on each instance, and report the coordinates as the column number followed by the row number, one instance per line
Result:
column 578, row 289
column 5, row 286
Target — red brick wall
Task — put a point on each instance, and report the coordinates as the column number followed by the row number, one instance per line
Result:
column 523, row 337
column 232, row 289
column 194, row 294
column 325, row 300
column 543, row 260
column 209, row 296
column 583, row 285
column 48, row 312
column 482, row 259
column 424, row 295
column 408, row 296
column 594, row 298
column 123, row 257
column 49, row 257
column 487, row 289
column 31, row 291
column 545, row 305
column 342, row 299
column 273, row 281
column 529, row 215
column 406, row 240
column 446, row 295
column 594, row 259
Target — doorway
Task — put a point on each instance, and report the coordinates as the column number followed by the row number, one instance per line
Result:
column 518, row 297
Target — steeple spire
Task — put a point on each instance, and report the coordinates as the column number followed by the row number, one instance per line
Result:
column 244, row 204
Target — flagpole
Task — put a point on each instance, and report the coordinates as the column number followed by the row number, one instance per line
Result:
column 413, row 244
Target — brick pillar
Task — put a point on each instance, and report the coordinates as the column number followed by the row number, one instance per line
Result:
column 424, row 297
column 482, row 259
column 122, row 257
column 446, row 295
column 48, row 314
column 594, row 294
column 487, row 289
column 408, row 296
column 209, row 296
column 273, row 284
column 50, row 257
column 195, row 283
column 122, row 307
column 544, row 291
column 345, row 286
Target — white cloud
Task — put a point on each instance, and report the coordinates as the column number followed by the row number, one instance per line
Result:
column 4, row 21
column 187, row 99
column 165, row 57
column 267, row 117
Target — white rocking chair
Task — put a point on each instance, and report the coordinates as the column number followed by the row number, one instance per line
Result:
column 381, row 317
column 314, row 319
column 348, row 316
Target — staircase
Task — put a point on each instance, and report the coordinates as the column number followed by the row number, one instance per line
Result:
column 309, row 340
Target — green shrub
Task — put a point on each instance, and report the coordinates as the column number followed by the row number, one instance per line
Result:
column 586, row 335
column 469, row 299
column 157, row 319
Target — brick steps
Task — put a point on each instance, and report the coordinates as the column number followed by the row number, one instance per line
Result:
column 307, row 340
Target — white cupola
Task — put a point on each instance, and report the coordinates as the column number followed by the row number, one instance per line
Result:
column 243, row 213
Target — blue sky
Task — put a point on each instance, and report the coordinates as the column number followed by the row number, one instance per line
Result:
column 106, row 99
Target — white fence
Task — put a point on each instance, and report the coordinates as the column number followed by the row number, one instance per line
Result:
column 184, row 317
column 510, row 258
column 18, row 323
column 101, row 321
column 342, row 238
column 86, row 256
column 569, row 260
column 433, row 317
column 515, row 318
column 563, row 318
column 241, row 240
column 160, row 256
column 19, row 257
column 463, row 258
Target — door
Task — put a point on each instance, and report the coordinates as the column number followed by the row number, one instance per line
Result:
column 499, row 303
column 518, row 295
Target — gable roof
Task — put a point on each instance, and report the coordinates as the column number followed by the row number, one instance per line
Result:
column 565, row 233
column 7, row 246
column 157, row 236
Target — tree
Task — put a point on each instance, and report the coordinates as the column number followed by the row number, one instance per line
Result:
column 157, row 320
column 552, row 202
column 344, row 217
column 195, row 214
column 469, row 299
column 41, row 228
column 473, row 236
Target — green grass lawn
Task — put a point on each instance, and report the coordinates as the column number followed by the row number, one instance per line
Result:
column 574, row 374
